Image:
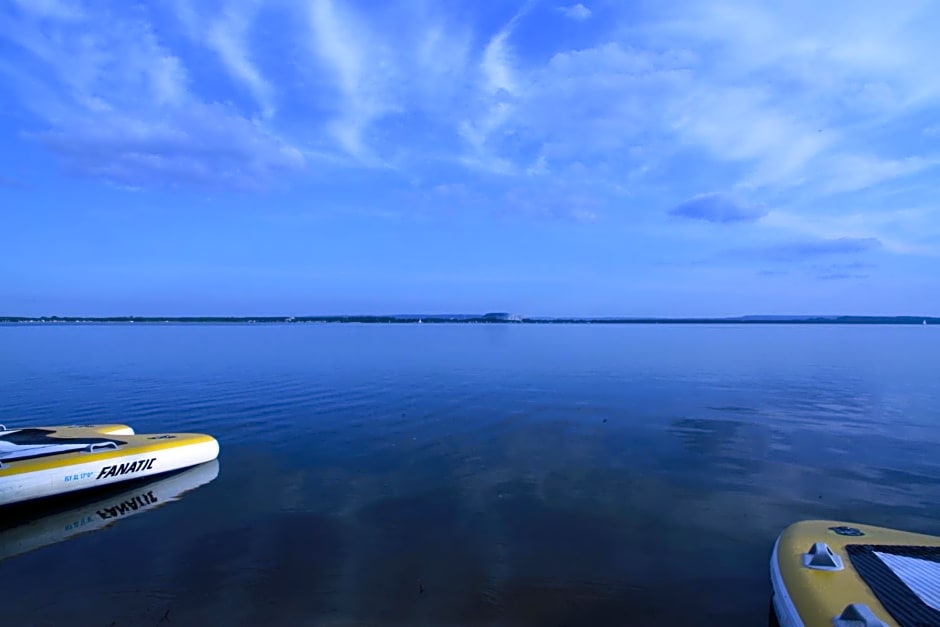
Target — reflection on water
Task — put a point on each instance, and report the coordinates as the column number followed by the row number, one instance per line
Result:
column 473, row 475
column 26, row 527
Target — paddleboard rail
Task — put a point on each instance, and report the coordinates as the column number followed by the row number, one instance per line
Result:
column 785, row 608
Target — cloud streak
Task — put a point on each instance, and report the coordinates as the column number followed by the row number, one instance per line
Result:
column 118, row 106
column 206, row 146
column 718, row 209
column 800, row 108
column 790, row 95
column 497, row 101
column 227, row 35
column 6, row 181
column 51, row 9
column 840, row 276
column 814, row 249
column 361, row 76
column 577, row 12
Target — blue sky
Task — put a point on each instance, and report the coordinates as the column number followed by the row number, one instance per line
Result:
column 547, row 158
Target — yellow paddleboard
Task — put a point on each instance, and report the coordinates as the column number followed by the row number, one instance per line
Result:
column 36, row 462
column 852, row 575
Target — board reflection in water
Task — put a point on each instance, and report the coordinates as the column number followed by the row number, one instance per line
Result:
column 32, row 526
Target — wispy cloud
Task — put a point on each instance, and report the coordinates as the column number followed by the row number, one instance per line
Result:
column 362, row 75
column 497, row 64
column 842, row 271
column 226, row 33
column 441, row 55
column 227, row 36
column 577, row 12
column 206, row 146
column 840, row 276
column 53, row 9
column 743, row 125
column 900, row 230
column 797, row 107
column 117, row 105
column 6, row 181
column 718, row 208
column 791, row 93
column 553, row 201
column 498, row 98
column 854, row 265
column 851, row 172
column 594, row 103
column 813, row 249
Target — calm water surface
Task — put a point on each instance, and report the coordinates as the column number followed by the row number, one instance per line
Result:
column 466, row 474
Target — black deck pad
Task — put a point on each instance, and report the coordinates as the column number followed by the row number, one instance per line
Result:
column 901, row 594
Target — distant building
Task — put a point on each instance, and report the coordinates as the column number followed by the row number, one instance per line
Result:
column 503, row 317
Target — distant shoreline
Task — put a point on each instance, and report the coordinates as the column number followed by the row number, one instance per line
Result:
column 464, row 319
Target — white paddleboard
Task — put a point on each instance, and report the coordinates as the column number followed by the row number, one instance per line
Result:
column 36, row 462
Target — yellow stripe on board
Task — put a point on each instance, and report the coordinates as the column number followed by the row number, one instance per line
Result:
column 136, row 445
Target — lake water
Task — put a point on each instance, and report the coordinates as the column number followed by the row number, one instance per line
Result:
column 508, row 475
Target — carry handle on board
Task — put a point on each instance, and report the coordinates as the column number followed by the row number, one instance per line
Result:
column 99, row 446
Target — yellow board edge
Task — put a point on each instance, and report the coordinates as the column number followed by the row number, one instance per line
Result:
column 136, row 445
column 820, row 596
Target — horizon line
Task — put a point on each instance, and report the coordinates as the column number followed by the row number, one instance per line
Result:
column 472, row 317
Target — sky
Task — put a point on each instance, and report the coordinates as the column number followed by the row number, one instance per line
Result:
column 606, row 158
